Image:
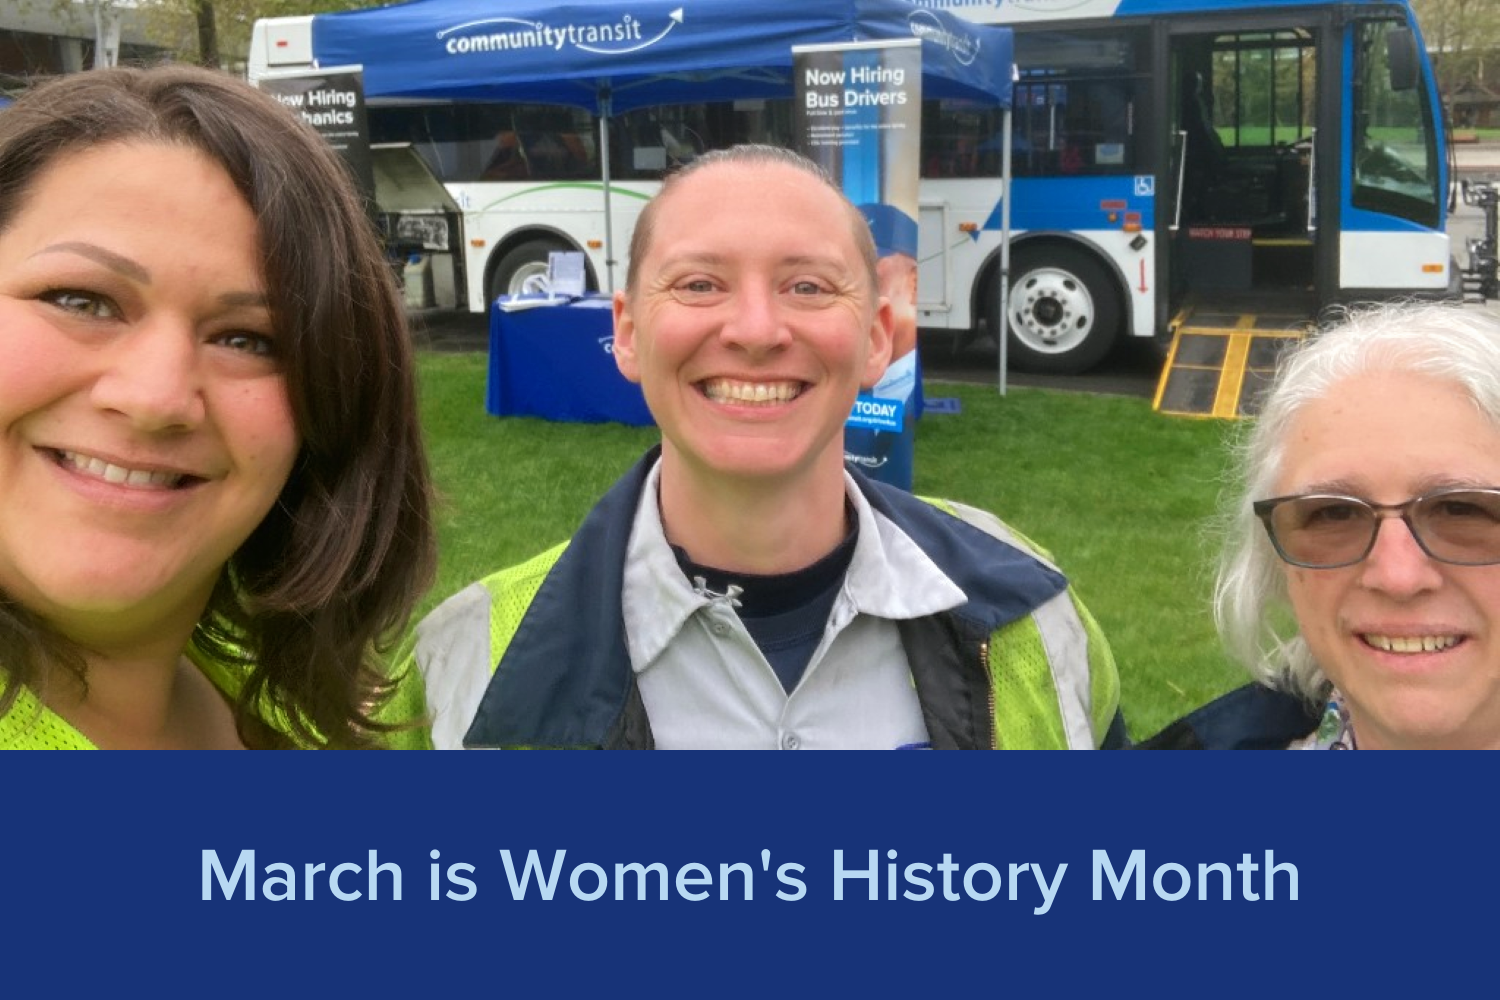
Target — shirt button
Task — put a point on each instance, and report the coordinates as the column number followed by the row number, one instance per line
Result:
column 790, row 742
column 718, row 627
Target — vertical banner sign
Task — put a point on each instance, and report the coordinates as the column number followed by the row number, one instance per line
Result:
column 859, row 116
column 332, row 101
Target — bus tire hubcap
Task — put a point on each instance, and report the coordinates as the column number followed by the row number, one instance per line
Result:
column 1051, row 310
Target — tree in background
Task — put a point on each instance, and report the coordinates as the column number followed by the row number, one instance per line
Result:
column 217, row 32
column 208, row 32
column 1464, row 39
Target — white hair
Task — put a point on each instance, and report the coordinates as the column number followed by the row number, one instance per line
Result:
column 1251, row 607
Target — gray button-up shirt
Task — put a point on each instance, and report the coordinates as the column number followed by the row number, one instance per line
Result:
column 705, row 683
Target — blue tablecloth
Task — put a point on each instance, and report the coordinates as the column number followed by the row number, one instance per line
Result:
column 555, row 362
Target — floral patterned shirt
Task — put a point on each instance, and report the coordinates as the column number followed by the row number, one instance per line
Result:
column 1335, row 730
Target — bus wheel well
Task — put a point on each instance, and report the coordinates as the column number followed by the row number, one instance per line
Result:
column 1065, row 306
column 523, row 255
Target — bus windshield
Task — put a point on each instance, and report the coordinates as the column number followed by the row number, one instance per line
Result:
column 1395, row 163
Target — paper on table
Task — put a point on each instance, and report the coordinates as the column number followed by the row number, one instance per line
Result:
column 565, row 274
column 516, row 303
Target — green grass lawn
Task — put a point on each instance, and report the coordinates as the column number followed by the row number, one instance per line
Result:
column 1119, row 494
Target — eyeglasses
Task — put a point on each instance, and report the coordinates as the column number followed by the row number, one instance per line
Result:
column 1317, row 531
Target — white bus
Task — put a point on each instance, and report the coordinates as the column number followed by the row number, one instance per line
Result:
column 1166, row 152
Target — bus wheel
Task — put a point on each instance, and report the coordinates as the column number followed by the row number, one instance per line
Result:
column 522, row 261
column 1063, row 311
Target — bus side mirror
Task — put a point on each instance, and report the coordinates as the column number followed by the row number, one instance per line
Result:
column 1401, row 57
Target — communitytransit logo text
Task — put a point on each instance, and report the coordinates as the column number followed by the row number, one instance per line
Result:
column 510, row 34
column 925, row 25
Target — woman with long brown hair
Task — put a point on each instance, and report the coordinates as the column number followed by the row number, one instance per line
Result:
column 214, row 500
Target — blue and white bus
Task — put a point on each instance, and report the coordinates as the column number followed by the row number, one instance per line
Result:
column 1165, row 153
column 1180, row 152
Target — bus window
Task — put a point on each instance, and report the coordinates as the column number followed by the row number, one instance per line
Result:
column 1263, row 89
column 507, row 162
column 493, row 142
column 1073, row 111
column 1074, row 127
column 1395, row 168
column 1245, row 111
column 960, row 139
column 430, row 128
column 649, row 142
column 533, row 142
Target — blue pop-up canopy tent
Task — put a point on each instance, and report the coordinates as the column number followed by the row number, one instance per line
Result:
column 616, row 55
column 612, row 56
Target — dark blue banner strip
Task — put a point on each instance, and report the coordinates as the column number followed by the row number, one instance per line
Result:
column 524, row 874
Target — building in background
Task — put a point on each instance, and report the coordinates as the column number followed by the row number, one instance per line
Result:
column 42, row 38
column 1474, row 105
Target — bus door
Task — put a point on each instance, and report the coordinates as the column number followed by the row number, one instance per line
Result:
column 1243, row 108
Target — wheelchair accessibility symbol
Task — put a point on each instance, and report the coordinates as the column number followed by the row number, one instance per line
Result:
column 1145, row 186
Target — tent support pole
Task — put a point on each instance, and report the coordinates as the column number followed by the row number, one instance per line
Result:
column 1002, row 334
column 605, row 106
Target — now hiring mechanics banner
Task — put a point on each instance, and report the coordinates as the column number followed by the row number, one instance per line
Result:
column 859, row 116
column 332, row 101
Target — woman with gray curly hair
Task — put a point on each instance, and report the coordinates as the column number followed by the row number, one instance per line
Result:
column 1360, row 582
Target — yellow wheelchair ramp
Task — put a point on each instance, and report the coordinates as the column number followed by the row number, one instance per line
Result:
column 1223, row 358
